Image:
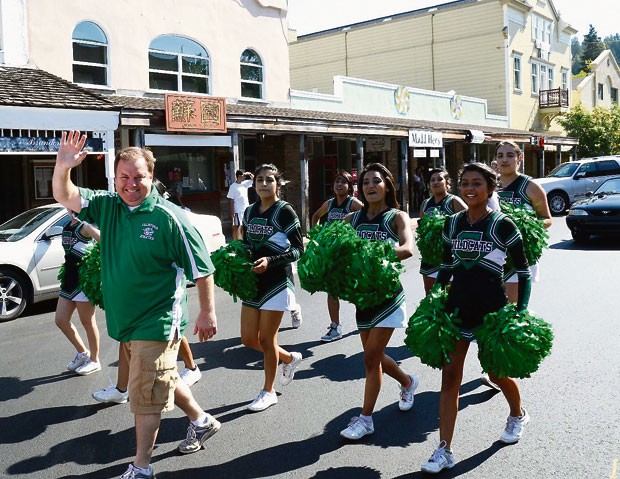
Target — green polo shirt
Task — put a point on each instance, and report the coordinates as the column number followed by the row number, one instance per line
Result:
column 146, row 256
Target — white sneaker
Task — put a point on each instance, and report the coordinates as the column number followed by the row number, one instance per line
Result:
column 440, row 460
column 111, row 394
column 486, row 380
column 296, row 318
column 88, row 367
column 406, row 394
column 334, row 332
column 514, row 428
column 357, row 429
column 263, row 401
column 78, row 360
column 288, row 370
column 190, row 376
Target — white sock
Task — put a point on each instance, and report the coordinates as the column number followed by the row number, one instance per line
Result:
column 148, row 470
column 201, row 421
column 366, row 419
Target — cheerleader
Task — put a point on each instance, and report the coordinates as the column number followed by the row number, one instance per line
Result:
column 476, row 241
column 380, row 220
column 272, row 232
column 336, row 209
column 519, row 190
column 446, row 204
column 76, row 237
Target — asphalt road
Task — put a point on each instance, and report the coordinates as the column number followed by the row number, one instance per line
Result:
column 51, row 428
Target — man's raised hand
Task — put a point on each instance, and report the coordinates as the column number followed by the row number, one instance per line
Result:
column 70, row 153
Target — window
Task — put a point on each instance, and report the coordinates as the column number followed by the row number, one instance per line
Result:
column 564, row 79
column 551, row 80
column 600, row 91
column 90, row 54
column 535, row 78
column 251, row 75
column 178, row 64
column 543, row 77
column 517, row 72
column 542, row 29
column 614, row 95
column 607, row 167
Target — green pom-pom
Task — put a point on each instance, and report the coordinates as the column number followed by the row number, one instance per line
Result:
column 61, row 273
column 90, row 274
column 513, row 343
column 233, row 271
column 532, row 229
column 428, row 237
column 323, row 266
column 373, row 274
column 345, row 266
column 432, row 332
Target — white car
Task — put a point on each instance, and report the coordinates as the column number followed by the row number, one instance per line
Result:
column 31, row 255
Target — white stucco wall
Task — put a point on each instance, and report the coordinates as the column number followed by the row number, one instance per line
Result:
column 224, row 27
column 366, row 97
column 13, row 33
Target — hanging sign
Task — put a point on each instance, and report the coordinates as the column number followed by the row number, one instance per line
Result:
column 195, row 114
column 425, row 139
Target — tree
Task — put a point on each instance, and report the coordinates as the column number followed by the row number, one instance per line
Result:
column 598, row 131
column 613, row 43
column 575, row 50
column 592, row 46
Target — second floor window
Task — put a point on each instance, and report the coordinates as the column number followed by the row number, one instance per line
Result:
column 517, row 73
column 178, row 64
column 600, row 92
column 551, row 79
column 564, row 79
column 535, row 78
column 251, row 75
column 90, row 54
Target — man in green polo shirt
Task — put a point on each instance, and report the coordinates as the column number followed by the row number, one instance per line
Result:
column 148, row 250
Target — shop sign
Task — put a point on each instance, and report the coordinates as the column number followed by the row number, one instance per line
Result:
column 35, row 143
column 425, row 139
column 195, row 113
column 378, row 144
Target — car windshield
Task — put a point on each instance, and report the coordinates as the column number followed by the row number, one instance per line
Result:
column 609, row 187
column 25, row 223
column 563, row 171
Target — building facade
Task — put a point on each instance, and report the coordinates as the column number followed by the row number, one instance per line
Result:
column 600, row 86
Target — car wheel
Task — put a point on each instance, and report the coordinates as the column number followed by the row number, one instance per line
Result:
column 13, row 294
column 558, row 202
column 579, row 236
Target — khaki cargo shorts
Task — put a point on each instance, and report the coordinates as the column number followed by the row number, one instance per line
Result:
column 152, row 375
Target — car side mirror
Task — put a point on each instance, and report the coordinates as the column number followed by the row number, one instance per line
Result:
column 589, row 194
column 51, row 232
column 580, row 175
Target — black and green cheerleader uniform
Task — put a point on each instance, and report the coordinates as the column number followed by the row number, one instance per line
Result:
column 74, row 243
column 445, row 208
column 275, row 234
column 337, row 212
column 515, row 192
column 474, row 257
column 392, row 313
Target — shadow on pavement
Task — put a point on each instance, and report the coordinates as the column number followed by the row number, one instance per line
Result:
column 15, row 388
column 596, row 243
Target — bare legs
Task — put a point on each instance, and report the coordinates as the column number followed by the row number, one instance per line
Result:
column 333, row 307
column 376, row 362
column 86, row 312
column 259, row 331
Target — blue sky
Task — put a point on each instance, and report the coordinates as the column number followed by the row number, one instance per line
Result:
column 314, row 15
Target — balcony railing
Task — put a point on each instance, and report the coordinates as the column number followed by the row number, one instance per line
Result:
column 557, row 97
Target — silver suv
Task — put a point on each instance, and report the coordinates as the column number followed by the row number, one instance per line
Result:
column 571, row 181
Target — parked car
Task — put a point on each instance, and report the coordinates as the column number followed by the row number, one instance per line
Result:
column 598, row 214
column 573, row 180
column 31, row 255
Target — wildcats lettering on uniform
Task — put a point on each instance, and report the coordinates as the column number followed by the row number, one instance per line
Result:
column 260, row 229
column 472, row 245
column 337, row 214
column 373, row 235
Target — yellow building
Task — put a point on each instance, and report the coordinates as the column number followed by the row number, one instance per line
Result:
column 513, row 53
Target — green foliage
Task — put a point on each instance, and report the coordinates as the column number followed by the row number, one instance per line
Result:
column 432, row 333
column 233, row 271
column 592, row 46
column 598, row 130
column 612, row 42
column 513, row 343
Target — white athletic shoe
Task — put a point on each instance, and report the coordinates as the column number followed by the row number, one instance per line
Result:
column 296, row 318
column 78, row 360
column 334, row 333
column 357, row 429
column 288, row 370
column 263, row 401
column 441, row 459
column 111, row 394
column 514, row 428
column 88, row 367
column 406, row 394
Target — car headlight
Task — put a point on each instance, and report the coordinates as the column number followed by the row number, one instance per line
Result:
column 577, row 212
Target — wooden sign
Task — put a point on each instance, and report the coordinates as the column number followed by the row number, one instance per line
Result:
column 197, row 114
